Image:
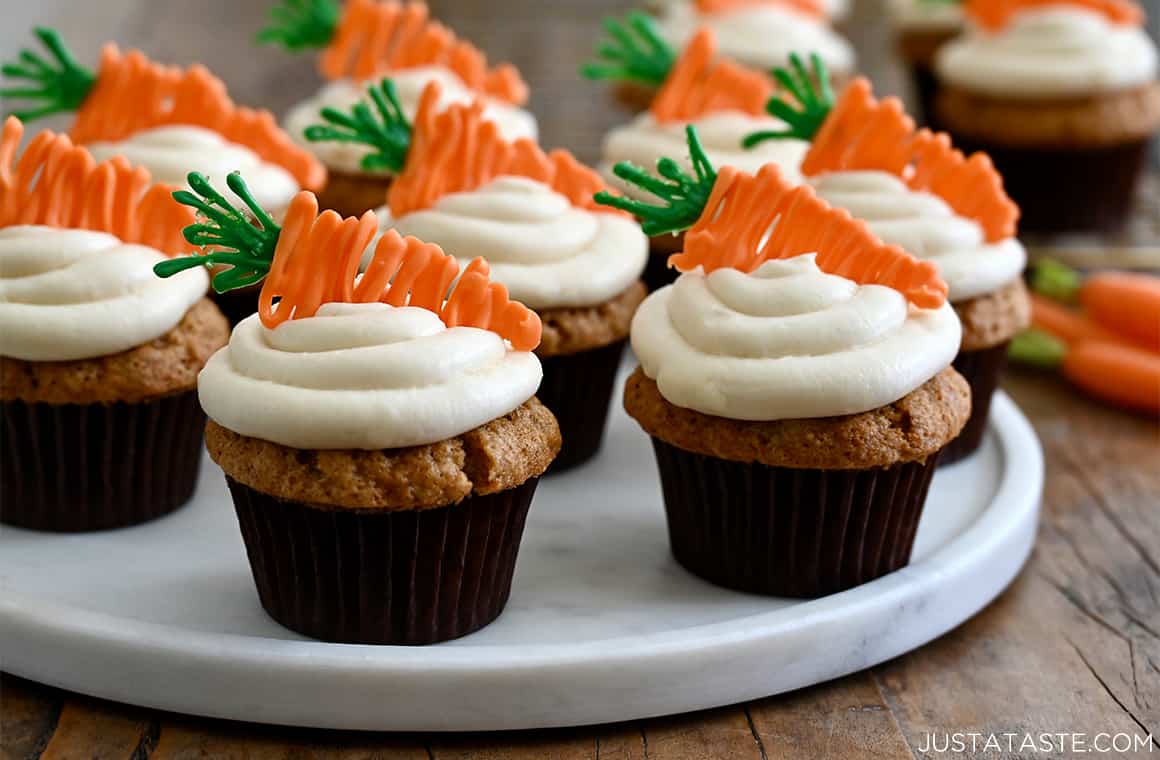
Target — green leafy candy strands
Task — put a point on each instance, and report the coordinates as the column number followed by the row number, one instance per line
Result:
column 246, row 247
column 684, row 196
column 814, row 102
column 57, row 86
column 299, row 25
column 388, row 132
column 635, row 52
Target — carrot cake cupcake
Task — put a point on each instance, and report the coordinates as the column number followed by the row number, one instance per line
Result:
column 921, row 27
column 462, row 185
column 916, row 191
column 1063, row 95
column 379, row 433
column 364, row 41
column 727, row 103
column 170, row 121
column 796, row 384
column 98, row 359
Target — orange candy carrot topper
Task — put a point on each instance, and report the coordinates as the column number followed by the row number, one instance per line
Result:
column 700, row 83
column 729, row 216
column 813, row 8
column 58, row 184
column 312, row 259
column 129, row 94
column 369, row 38
column 993, row 15
column 862, row 133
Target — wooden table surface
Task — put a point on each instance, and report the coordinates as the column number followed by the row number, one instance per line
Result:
column 1072, row 646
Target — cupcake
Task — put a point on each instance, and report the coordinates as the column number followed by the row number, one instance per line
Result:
column 462, row 185
column 916, row 191
column 364, row 41
column 168, row 120
column 727, row 104
column 1064, row 97
column 921, row 27
column 380, row 433
column 796, row 383
column 98, row 360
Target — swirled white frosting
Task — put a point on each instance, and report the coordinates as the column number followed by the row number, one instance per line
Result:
column 643, row 141
column 75, row 294
column 788, row 341
column 762, row 36
column 171, row 153
column 927, row 15
column 549, row 253
column 837, row 10
column 342, row 94
column 1050, row 52
column 363, row 376
column 925, row 226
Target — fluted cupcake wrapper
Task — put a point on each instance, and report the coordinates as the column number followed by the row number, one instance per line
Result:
column 383, row 577
column 1069, row 190
column 83, row 467
column 982, row 370
column 577, row 388
column 789, row 532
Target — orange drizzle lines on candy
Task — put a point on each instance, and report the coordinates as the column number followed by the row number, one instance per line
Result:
column 808, row 7
column 862, row 133
column 735, row 232
column 377, row 37
column 58, row 184
column 994, row 14
column 317, row 259
column 698, row 84
column 457, row 150
column 133, row 94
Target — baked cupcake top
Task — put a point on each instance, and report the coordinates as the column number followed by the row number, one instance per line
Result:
column 927, row 15
column 462, row 185
column 726, row 103
column 786, row 308
column 394, row 357
column 166, row 119
column 760, row 33
column 78, row 243
column 366, row 40
column 1031, row 49
column 912, row 187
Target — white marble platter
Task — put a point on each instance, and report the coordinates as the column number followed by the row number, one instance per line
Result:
column 602, row 626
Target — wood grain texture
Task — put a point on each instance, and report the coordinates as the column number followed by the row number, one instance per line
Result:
column 1074, row 645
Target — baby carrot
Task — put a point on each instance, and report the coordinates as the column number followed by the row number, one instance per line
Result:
column 1115, row 372
column 1066, row 324
column 1125, row 303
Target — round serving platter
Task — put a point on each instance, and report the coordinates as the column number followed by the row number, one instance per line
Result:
column 602, row 625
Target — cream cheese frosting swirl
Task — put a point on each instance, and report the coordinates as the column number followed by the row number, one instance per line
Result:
column 343, row 94
column 549, row 253
column 925, row 226
column 74, row 294
column 788, row 341
column 644, row 141
column 363, row 376
column 761, row 36
column 1050, row 52
column 170, row 153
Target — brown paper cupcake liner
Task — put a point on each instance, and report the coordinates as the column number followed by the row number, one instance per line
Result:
column 84, row 467
column 789, row 532
column 383, row 577
column 1069, row 190
column 982, row 370
column 577, row 388
column 353, row 193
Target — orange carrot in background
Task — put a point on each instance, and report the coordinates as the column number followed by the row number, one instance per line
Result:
column 1115, row 372
column 1125, row 303
column 1067, row 324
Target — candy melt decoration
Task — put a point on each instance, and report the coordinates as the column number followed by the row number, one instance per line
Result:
column 59, row 89
column 386, row 130
column 634, row 51
column 458, row 149
column 58, row 184
column 863, row 133
column 813, row 8
column 749, row 220
column 993, row 15
column 373, row 37
column 811, row 104
column 700, row 83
